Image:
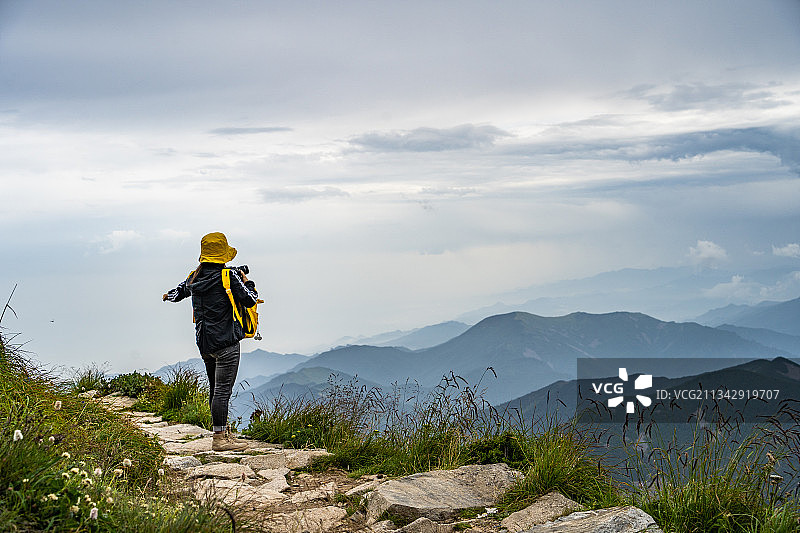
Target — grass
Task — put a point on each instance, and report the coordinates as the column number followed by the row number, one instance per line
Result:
column 68, row 464
column 714, row 482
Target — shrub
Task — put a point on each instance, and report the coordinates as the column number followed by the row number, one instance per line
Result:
column 133, row 384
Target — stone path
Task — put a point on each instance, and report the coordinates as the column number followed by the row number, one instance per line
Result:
column 264, row 482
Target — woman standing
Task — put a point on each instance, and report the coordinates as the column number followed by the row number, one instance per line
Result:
column 218, row 334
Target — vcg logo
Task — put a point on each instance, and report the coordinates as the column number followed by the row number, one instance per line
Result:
column 644, row 381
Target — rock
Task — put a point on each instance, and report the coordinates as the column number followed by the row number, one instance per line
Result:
column 424, row 525
column 326, row 491
column 276, row 478
column 148, row 420
column 315, row 520
column 613, row 520
column 364, row 487
column 303, row 458
column 177, row 432
column 231, row 492
column 221, row 470
column 115, row 401
column 439, row 494
column 88, row 394
column 544, row 509
column 181, row 462
column 269, row 461
column 188, row 448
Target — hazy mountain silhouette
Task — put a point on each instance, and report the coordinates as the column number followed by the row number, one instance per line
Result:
column 528, row 351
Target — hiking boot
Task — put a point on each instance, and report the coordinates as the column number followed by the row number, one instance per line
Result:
column 222, row 443
column 230, row 435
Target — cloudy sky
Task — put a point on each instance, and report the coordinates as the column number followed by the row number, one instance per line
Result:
column 379, row 165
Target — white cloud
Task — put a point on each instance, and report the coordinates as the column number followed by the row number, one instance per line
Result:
column 790, row 250
column 117, row 240
column 707, row 253
column 173, row 234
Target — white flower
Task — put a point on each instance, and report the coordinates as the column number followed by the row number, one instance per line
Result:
column 491, row 510
column 57, row 405
column 109, row 500
column 74, row 508
column 126, row 463
column 66, row 454
column 52, row 440
column 117, row 471
column 87, row 481
column 74, row 470
column 52, row 496
column 98, row 472
column 160, row 471
column 17, row 435
column 93, row 513
column 25, row 480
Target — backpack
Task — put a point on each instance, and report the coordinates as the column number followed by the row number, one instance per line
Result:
column 247, row 317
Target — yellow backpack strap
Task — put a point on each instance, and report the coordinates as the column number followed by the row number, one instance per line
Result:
column 226, row 283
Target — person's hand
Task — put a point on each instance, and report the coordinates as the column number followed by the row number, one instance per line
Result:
column 244, row 277
column 164, row 297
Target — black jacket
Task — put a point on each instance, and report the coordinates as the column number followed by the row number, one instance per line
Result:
column 215, row 327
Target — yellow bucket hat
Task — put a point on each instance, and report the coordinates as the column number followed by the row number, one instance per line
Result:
column 214, row 249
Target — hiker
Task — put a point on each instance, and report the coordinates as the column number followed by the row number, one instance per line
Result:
column 218, row 334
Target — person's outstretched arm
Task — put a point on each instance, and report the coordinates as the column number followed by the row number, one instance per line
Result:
column 177, row 294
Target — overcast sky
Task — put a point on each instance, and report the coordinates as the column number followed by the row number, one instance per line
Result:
column 379, row 165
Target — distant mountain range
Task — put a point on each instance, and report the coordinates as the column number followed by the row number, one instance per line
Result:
column 509, row 355
column 527, row 351
column 563, row 397
column 783, row 317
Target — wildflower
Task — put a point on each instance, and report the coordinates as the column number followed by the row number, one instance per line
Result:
column 93, row 513
column 66, row 454
column 74, row 470
column 160, row 471
column 74, row 508
column 88, row 481
column 25, row 480
column 108, row 490
column 98, row 472
column 65, row 474
column 52, row 497
column 126, row 462
column 118, row 472
column 57, row 405
column 109, row 500
column 17, row 435
column 491, row 510
column 84, row 473
column 82, row 463
column 52, row 439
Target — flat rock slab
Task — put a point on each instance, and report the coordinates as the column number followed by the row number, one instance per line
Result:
column 231, row 492
column 440, row 494
column 316, row 520
column 275, row 478
column 181, row 462
column 614, row 520
column 291, row 459
column 188, row 448
column 177, row 432
column 221, row 470
column 544, row 509
column 118, row 402
column 323, row 492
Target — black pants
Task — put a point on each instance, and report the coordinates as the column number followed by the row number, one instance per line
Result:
column 221, row 367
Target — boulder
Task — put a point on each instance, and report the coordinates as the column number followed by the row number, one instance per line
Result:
column 424, row 525
column 544, row 509
column 614, row 520
column 181, row 462
column 440, row 494
column 364, row 487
